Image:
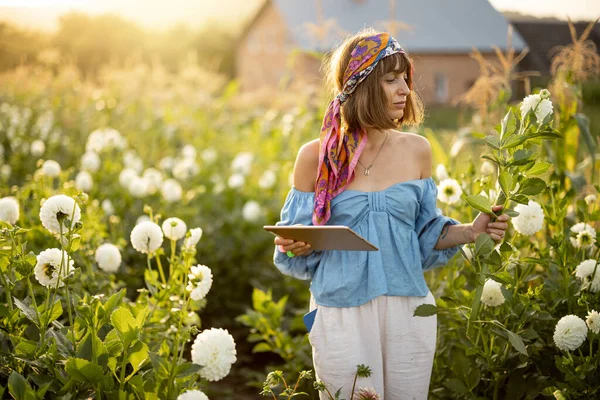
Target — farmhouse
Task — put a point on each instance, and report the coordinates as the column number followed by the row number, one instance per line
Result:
column 285, row 40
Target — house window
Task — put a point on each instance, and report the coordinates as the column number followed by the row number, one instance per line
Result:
column 441, row 87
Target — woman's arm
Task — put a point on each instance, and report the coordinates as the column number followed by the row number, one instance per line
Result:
column 454, row 235
column 305, row 175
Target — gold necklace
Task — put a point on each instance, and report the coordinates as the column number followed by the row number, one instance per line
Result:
column 367, row 172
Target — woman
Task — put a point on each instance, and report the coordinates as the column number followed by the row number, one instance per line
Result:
column 366, row 174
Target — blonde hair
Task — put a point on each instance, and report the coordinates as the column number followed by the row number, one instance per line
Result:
column 367, row 107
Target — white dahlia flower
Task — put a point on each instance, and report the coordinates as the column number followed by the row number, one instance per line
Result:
column 126, row 176
column 570, row 332
column 487, row 168
column 84, row 181
column 166, row 163
column 236, row 180
column 214, row 349
column 242, row 162
column 192, row 395
column 492, row 295
column 189, row 151
column 200, row 281
column 251, row 211
column 105, row 138
column 90, row 161
column 595, row 282
column 541, row 107
column 9, row 210
column 138, row 187
column 584, row 235
column 449, row 191
column 146, row 237
column 590, row 199
column 530, row 219
column 585, row 269
column 588, row 272
column 38, row 147
column 133, row 161
column 154, row 178
column 192, row 240
column 107, row 207
column 209, row 155
column 51, row 168
column 441, row 173
column 171, row 190
column 142, row 218
column 174, row 228
column 108, row 257
column 267, row 179
column 5, row 171
column 593, row 321
column 185, row 169
column 48, row 267
column 59, row 208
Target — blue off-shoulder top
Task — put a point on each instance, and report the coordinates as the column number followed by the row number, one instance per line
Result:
column 403, row 221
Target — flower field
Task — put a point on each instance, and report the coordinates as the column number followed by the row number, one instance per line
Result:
column 133, row 264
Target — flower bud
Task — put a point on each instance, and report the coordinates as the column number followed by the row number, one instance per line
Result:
column 545, row 94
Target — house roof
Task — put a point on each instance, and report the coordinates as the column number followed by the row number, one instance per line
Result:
column 448, row 26
column 545, row 36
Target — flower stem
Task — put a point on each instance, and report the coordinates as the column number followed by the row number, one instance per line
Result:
column 37, row 312
column 160, row 269
column 71, row 318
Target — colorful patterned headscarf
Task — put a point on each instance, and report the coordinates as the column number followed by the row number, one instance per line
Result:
column 340, row 151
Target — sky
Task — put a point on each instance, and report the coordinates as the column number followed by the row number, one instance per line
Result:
column 161, row 13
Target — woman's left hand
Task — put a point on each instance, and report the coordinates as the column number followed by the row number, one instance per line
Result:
column 483, row 224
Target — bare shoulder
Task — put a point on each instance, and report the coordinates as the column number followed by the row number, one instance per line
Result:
column 420, row 147
column 305, row 168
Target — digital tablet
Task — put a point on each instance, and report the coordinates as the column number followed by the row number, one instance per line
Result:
column 325, row 237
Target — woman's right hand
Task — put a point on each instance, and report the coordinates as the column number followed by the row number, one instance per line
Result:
column 297, row 248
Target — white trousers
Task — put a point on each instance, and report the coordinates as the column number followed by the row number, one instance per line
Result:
column 382, row 334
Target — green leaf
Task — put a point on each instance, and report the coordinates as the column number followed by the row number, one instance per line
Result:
column 539, row 168
column 112, row 343
column 160, row 365
column 484, row 245
column 493, row 142
column 425, row 310
column 532, row 186
column 187, row 369
column 509, row 124
column 54, row 313
column 514, row 141
column 125, row 324
column 75, row 242
column 138, row 356
column 18, row 386
column 480, row 203
column 262, row 347
column 516, row 342
column 113, row 301
column 473, row 379
column 26, row 310
column 521, row 157
column 506, row 182
column 84, row 371
column 519, row 198
column 456, row 386
column 26, row 349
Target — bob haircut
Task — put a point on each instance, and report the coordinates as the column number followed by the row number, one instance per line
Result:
column 367, row 106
